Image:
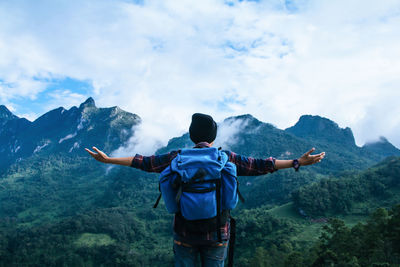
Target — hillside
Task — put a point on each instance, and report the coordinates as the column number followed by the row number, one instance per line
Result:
column 356, row 193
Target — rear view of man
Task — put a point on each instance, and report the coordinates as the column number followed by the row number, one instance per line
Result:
column 195, row 237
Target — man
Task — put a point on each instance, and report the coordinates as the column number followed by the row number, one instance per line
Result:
column 211, row 247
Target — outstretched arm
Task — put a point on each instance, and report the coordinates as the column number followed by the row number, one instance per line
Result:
column 306, row 159
column 102, row 157
column 155, row 163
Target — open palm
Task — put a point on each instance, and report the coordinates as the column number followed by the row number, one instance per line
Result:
column 308, row 159
column 99, row 156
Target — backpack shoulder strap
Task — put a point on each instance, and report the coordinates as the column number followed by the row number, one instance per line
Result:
column 165, row 172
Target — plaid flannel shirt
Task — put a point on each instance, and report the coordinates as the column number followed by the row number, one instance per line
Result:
column 246, row 166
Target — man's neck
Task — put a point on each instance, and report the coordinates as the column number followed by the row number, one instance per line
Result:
column 203, row 144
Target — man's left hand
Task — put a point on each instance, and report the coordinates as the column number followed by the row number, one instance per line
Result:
column 308, row 159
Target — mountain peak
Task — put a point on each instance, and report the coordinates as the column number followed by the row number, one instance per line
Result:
column 88, row 103
column 383, row 139
column 6, row 114
column 246, row 120
column 321, row 128
column 382, row 147
column 3, row 109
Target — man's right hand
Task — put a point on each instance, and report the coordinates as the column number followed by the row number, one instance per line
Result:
column 99, row 156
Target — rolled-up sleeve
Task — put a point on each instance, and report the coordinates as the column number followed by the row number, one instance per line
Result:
column 248, row 166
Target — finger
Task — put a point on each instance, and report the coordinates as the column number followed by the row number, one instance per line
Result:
column 96, row 149
column 90, row 152
column 319, row 155
column 309, row 152
column 314, row 157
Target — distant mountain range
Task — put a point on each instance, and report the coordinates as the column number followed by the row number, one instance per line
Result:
column 259, row 139
column 65, row 131
column 326, row 131
column 62, row 130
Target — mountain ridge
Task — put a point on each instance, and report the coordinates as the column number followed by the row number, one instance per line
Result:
column 318, row 127
column 382, row 146
column 6, row 114
column 62, row 130
column 67, row 130
column 310, row 126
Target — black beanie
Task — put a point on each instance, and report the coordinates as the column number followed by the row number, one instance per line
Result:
column 202, row 129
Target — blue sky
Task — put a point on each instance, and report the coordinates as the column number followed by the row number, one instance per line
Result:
column 56, row 92
column 165, row 60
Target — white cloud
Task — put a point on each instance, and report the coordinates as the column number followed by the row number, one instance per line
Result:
column 165, row 60
column 227, row 132
column 146, row 139
column 63, row 98
column 69, row 136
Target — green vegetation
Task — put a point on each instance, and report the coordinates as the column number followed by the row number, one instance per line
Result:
column 373, row 243
column 94, row 240
column 358, row 193
column 81, row 217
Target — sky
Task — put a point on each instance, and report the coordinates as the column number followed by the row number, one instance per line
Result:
column 165, row 60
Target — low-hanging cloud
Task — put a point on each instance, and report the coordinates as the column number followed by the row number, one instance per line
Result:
column 228, row 131
column 165, row 60
column 146, row 138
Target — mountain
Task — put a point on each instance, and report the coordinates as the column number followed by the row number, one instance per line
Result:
column 382, row 147
column 327, row 135
column 10, row 127
column 5, row 114
column 248, row 136
column 57, row 137
column 64, row 131
column 322, row 129
column 61, row 134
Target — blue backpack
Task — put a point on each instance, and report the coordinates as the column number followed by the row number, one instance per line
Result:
column 200, row 184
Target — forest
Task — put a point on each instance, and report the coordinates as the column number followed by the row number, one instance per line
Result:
column 111, row 222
